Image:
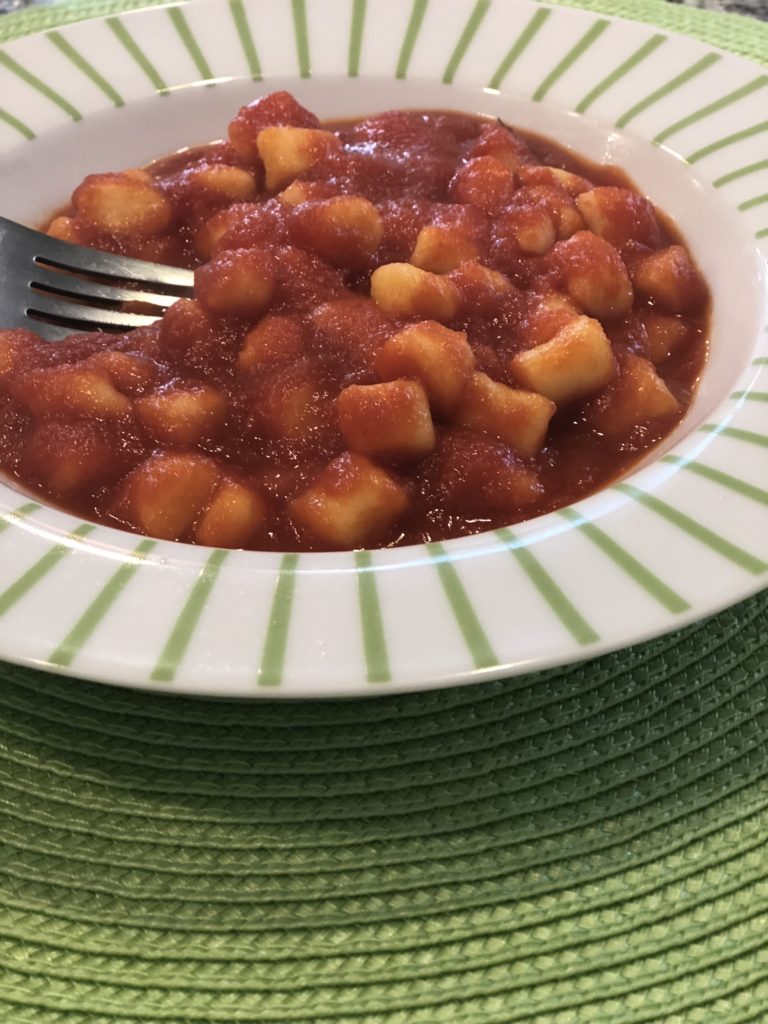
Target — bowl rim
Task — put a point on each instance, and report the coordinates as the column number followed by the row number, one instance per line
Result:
column 648, row 478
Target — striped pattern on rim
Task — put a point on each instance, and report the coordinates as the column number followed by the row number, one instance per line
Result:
column 603, row 70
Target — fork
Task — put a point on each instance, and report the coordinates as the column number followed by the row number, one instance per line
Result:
column 55, row 288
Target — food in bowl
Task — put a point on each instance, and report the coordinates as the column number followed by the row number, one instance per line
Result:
column 412, row 327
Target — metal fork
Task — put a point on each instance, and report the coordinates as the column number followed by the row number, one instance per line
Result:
column 54, row 288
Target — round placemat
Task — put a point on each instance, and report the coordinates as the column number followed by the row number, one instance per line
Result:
column 585, row 844
column 580, row 845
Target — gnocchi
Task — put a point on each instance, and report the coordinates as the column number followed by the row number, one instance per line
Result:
column 407, row 328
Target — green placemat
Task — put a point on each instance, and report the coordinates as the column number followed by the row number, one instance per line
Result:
column 582, row 845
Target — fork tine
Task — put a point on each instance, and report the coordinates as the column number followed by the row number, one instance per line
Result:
column 54, row 252
column 89, row 316
column 67, row 285
column 107, row 264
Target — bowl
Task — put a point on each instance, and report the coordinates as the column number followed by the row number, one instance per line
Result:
column 679, row 538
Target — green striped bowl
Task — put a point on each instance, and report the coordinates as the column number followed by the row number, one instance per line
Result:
column 682, row 537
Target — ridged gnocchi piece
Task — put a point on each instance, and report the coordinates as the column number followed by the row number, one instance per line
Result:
column 478, row 474
column 231, row 184
column 575, row 363
column 183, row 415
column 619, row 216
column 122, row 204
column 130, row 373
column 594, row 274
column 350, row 328
column 484, row 182
column 209, row 234
column 665, row 334
column 405, row 290
column 276, row 337
column 441, row 248
column 237, row 281
column 235, row 514
column 351, row 503
column 66, row 229
column 138, row 174
column 532, row 228
column 164, row 495
column 276, row 108
column 67, row 458
column 548, row 314
column 500, row 142
column 296, row 193
column 299, row 192
column 439, row 358
column 638, row 396
column 388, row 421
column 73, row 390
column 574, row 184
column 519, row 418
column 283, row 403
column 558, row 203
column 483, row 292
column 288, row 153
column 669, row 279
column 185, row 324
column 345, row 230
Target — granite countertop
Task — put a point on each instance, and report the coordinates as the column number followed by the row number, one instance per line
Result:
column 755, row 8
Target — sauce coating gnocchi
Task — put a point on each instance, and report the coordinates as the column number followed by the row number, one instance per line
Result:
column 412, row 327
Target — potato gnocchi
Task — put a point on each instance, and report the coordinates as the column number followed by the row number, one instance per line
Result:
column 411, row 327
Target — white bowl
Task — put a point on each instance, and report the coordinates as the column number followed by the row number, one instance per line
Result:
column 681, row 537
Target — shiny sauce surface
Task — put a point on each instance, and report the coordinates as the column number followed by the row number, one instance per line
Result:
column 269, row 425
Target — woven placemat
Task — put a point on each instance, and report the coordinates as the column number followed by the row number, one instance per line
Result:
column 581, row 845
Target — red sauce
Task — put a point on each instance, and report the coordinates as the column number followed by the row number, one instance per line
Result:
column 267, row 425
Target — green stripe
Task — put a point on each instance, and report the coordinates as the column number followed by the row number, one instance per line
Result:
column 738, row 435
column 637, row 57
column 571, row 57
column 762, row 233
column 276, row 640
column 374, row 640
column 519, row 46
column 695, row 529
column 733, row 483
column 240, row 19
column 725, row 179
column 712, row 108
column 15, row 515
column 755, row 201
column 561, row 605
column 181, row 634
column 73, row 642
column 356, row 37
column 135, row 51
column 299, row 9
column 418, row 11
column 42, row 567
column 36, row 83
column 477, row 642
column 181, row 25
column 14, row 122
column 761, row 360
column 729, row 140
column 481, row 8
column 667, row 88
column 651, row 583
column 87, row 68
column 751, row 396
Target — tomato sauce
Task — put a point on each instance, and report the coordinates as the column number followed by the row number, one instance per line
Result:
column 220, row 424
